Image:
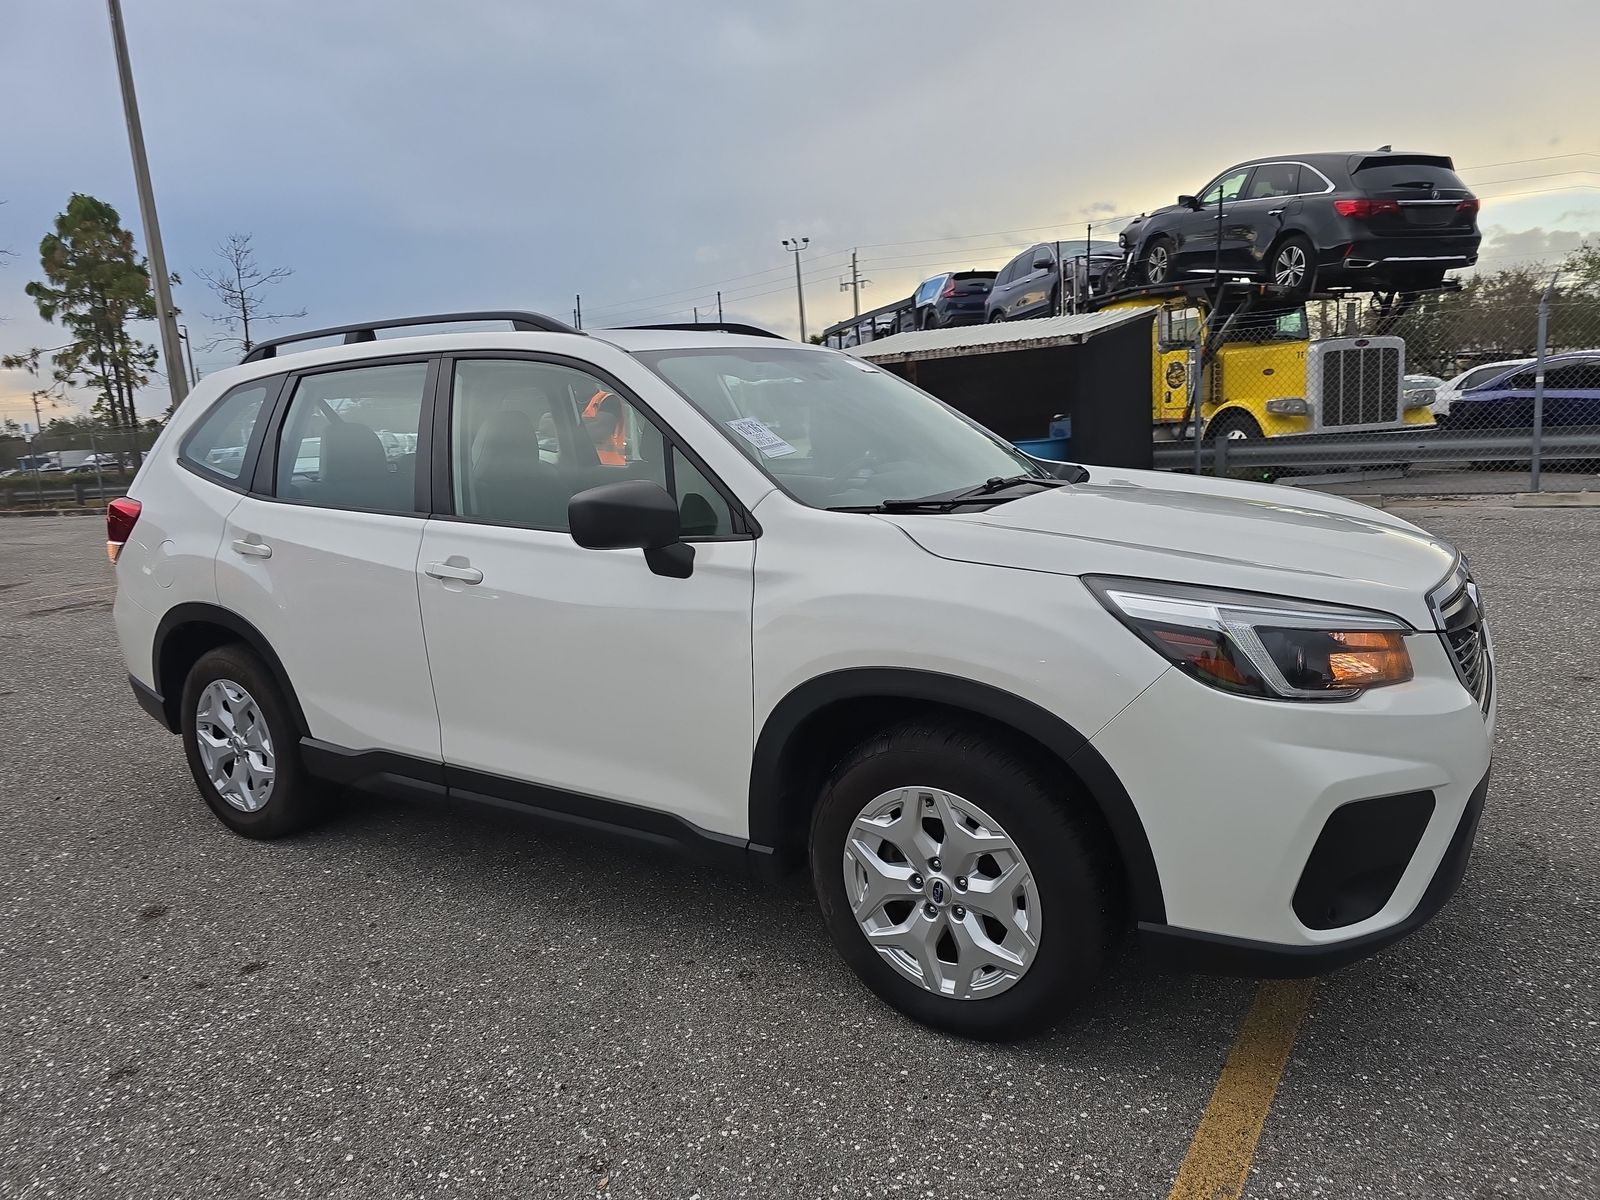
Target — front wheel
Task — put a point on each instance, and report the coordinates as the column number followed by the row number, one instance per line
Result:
column 1158, row 260
column 997, row 316
column 959, row 883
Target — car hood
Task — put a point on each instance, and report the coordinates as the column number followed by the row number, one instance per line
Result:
column 1218, row 533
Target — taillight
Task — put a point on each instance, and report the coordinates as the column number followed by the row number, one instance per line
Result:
column 1363, row 208
column 949, row 290
column 121, row 516
column 1469, row 206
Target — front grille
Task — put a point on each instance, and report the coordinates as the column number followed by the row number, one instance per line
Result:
column 1360, row 386
column 1471, row 658
column 1465, row 636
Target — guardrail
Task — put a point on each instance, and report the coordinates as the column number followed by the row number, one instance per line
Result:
column 1336, row 451
column 25, row 495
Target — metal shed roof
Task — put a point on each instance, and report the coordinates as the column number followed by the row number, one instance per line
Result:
column 996, row 338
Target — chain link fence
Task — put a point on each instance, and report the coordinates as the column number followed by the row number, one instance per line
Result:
column 67, row 469
column 1482, row 389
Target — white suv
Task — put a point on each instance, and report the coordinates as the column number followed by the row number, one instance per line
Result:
column 771, row 604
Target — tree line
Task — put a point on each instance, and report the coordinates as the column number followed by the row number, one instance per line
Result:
column 96, row 288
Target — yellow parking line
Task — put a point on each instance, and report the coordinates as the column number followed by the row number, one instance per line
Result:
column 1218, row 1162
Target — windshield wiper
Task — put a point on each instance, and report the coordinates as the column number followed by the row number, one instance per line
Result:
column 985, row 492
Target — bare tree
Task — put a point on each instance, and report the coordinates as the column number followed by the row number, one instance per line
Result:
column 240, row 285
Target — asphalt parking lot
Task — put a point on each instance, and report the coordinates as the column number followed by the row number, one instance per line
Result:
column 412, row 1003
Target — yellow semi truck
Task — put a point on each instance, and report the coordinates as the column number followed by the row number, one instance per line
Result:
column 1264, row 376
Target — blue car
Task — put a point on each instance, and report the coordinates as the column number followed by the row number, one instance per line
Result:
column 1571, row 396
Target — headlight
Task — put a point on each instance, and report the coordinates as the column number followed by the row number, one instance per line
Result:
column 1290, row 406
column 1418, row 398
column 1254, row 645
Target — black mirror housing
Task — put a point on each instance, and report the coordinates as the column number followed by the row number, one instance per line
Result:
column 633, row 515
column 1043, row 264
column 1189, row 202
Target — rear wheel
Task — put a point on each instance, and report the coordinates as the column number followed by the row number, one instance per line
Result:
column 1237, row 426
column 1158, row 260
column 997, row 315
column 959, row 884
column 243, row 746
column 1293, row 265
column 930, row 319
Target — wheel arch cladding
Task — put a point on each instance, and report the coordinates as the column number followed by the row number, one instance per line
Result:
column 817, row 723
column 189, row 631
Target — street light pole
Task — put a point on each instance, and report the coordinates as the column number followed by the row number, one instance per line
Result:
column 188, row 349
column 794, row 246
column 166, row 314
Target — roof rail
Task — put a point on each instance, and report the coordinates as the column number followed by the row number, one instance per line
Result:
column 713, row 326
column 367, row 331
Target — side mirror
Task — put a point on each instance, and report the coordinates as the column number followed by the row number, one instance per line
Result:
column 633, row 515
column 1189, row 202
column 1043, row 264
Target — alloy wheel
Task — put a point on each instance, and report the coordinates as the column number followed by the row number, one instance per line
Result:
column 1157, row 263
column 1289, row 267
column 942, row 892
column 235, row 745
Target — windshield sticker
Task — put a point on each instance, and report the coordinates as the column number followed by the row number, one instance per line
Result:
column 762, row 438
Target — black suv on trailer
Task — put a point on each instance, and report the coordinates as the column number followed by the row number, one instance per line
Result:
column 1379, row 219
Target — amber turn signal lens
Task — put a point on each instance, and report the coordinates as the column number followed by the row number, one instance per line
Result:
column 1369, row 658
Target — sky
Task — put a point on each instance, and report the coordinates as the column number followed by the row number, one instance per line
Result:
column 406, row 157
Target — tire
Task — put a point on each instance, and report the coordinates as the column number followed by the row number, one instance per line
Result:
column 1292, row 265
column 997, row 316
column 1159, row 261
column 930, row 319
column 1055, row 303
column 1069, row 881
column 1239, row 426
column 240, row 693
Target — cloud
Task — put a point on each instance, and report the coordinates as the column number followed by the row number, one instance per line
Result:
column 1505, row 247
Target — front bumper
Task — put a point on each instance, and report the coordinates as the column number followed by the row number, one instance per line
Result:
column 1191, row 950
column 1242, row 790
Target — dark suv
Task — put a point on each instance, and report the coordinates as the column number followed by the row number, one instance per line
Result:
column 953, row 298
column 1380, row 219
column 1032, row 283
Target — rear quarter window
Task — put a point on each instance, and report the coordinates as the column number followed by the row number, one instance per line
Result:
column 220, row 441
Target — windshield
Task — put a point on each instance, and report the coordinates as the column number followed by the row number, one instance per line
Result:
column 835, row 432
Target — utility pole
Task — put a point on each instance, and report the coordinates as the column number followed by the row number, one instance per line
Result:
column 697, row 314
column 166, row 314
column 794, row 246
column 719, row 308
column 577, row 310
column 855, row 285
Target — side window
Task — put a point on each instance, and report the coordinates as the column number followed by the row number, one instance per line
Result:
column 929, row 289
column 1573, row 376
column 1227, row 188
column 1180, row 327
column 703, row 510
column 525, row 437
column 1274, row 179
column 1481, row 375
column 219, row 441
column 1522, row 379
column 350, row 438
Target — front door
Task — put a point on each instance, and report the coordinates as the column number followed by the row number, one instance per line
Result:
column 577, row 670
column 1197, row 231
column 326, row 565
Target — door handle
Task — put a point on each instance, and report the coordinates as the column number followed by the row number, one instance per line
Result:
column 444, row 570
column 1275, row 212
column 253, row 549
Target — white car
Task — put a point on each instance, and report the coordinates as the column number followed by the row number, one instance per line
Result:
column 1004, row 714
column 1446, row 394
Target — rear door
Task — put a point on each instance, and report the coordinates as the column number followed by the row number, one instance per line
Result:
column 1034, row 284
column 1270, row 199
column 322, row 556
column 970, row 293
column 573, row 671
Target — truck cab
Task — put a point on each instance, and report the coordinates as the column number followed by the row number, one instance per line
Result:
column 1263, row 376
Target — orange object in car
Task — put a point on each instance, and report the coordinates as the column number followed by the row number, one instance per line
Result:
column 610, row 440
